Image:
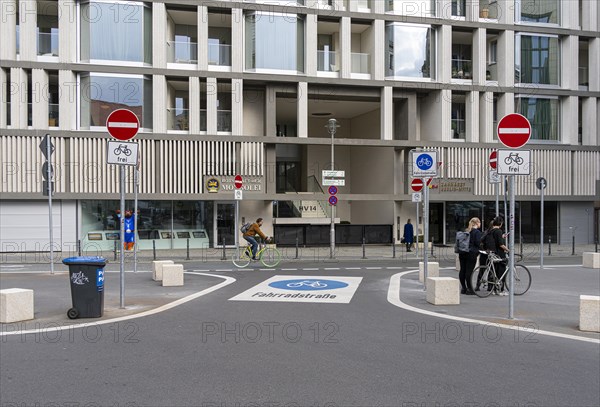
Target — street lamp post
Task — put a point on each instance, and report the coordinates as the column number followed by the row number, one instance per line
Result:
column 332, row 128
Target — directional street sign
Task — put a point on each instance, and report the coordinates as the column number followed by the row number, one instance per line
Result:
column 425, row 164
column 122, row 124
column 334, row 174
column 494, row 159
column 331, row 177
column 417, row 197
column 238, row 181
column 514, row 162
column 122, row 153
column 44, row 146
column 514, row 130
column 416, row 185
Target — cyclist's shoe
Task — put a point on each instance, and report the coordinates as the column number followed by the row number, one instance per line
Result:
column 503, row 294
column 494, row 292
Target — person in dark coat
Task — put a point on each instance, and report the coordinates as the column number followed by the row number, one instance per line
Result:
column 408, row 235
column 468, row 260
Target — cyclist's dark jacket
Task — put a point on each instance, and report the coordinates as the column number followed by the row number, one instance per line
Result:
column 494, row 240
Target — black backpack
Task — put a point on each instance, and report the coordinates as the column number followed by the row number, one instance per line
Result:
column 245, row 227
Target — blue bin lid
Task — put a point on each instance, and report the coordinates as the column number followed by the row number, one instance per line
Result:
column 85, row 260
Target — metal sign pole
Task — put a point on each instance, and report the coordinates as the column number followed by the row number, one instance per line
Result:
column 505, row 192
column 417, row 230
column 511, row 248
column 497, row 203
column 50, row 223
column 425, row 230
column 122, row 232
column 237, row 222
column 542, row 229
column 135, row 219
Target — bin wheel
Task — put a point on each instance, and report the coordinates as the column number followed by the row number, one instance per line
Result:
column 72, row 313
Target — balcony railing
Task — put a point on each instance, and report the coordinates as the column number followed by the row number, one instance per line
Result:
column 219, row 54
column 583, row 76
column 461, row 69
column 327, row 61
column 47, row 44
column 224, row 120
column 182, row 52
column 178, row 119
column 53, row 115
column 361, row 63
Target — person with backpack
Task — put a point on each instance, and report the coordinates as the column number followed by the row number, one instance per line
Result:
column 467, row 247
column 249, row 233
column 493, row 241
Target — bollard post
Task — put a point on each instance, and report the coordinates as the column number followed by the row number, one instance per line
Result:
column 393, row 249
column 115, row 251
column 432, row 255
column 188, row 250
column 549, row 245
column 79, row 248
column 573, row 246
column 154, row 249
column 363, row 248
column 224, row 257
column 296, row 245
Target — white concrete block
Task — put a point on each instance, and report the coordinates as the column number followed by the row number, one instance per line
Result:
column 591, row 260
column 172, row 275
column 443, row 291
column 157, row 269
column 16, row 304
column 433, row 270
column 589, row 313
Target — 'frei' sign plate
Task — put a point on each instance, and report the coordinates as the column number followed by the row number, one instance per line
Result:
column 120, row 152
column 514, row 162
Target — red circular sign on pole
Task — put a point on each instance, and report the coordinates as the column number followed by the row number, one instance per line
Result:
column 494, row 159
column 238, row 181
column 514, row 130
column 122, row 124
column 416, row 185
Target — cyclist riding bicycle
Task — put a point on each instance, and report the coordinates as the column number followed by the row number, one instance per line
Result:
column 251, row 233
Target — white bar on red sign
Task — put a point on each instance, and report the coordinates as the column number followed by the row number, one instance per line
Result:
column 123, row 125
column 513, row 131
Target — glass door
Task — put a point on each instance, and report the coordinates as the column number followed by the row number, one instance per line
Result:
column 225, row 224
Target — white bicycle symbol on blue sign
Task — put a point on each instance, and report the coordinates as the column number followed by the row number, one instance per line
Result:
column 307, row 283
column 424, row 161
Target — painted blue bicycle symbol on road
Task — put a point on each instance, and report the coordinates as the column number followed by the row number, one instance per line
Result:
column 308, row 285
column 424, row 162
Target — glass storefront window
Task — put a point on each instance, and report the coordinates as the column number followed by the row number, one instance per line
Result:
column 101, row 94
column 537, row 11
column 266, row 32
column 537, row 59
column 543, row 114
column 410, row 51
column 105, row 25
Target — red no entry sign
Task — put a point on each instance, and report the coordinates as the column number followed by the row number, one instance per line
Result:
column 514, row 130
column 416, row 185
column 494, row 159
column 122, row 124
column 238, row 181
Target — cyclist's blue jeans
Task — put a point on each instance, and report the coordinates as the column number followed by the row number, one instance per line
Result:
column 253, row 243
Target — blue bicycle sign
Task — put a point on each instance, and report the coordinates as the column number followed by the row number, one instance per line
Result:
column 308, row 285
column 424, row 162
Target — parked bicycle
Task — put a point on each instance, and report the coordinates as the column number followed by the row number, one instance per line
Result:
column 268, row 255
column 484, row 280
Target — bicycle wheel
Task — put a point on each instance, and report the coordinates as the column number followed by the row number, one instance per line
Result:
column 481, row 278
column 270, row 257
column 522, row 280
column 241, row 257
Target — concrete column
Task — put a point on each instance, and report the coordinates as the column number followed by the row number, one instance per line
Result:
column 412, row 117
column 387, row 113
column 346, row 47
column 237, row 40
column 443, row 9
column 486, row 117
column 594, row 66
column 589, row 15
column 569, row 14
column 3, row 102
column 237, row 107
column 506, row 11
column 211, row 105
column 568, row 121
column 353, row 6
column 569, row 60
column 270, row 111
column 472, row 10
column 311, row 45
column 67, row 31
column 378, row 70
column 194, row 97
column 159, row 105
column 18, row 98
column 203, row 38
column 445, row 115
column 28, row 36
column 444, row 54
column 302, row 106
column 506, row 59
column 40, row 98
column 159, row 36
column 68, row 100
column 479, row 56
column 377, row 7
column 506, row 104
column 270, row 166
column 338, row 5
column 8, row 29
column 472, row 117
column 589, row 122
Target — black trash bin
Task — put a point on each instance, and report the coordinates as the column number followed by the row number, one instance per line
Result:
column 87, row 286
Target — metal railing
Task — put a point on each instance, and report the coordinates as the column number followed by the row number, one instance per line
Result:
column 327, row 61
column 47, row 44
column 53, row 115
column 462, row 69
column 178, row 119
column 224, row 120
column 361, row 63
column 182, row 52
column 219, row 54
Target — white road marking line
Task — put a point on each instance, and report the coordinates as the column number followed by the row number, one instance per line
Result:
column 289, row 269
column 202, row 271
column 332, row 268
column 373, row 268
column 265, row 269
column 228, row 280
column 223, row 270
column 394, row 268
column 394, row 299
column 353, row 268
column 310, row 269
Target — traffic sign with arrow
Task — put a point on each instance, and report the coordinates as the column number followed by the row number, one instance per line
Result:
column 44, row 146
